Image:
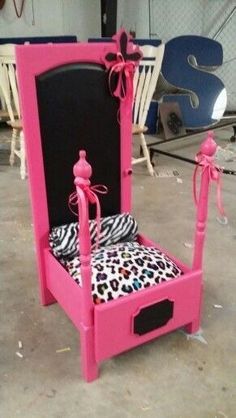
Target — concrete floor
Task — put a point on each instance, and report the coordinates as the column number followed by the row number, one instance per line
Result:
column 171, row 377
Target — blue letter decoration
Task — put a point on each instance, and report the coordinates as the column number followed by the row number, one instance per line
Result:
column 187, row 63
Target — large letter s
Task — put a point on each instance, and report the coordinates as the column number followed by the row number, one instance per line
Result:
column 186, row 64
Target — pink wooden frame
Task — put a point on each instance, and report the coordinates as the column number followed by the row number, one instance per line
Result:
column 105, row 330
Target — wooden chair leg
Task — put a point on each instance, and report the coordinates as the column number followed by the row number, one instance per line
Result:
column 193, row 327
column 146, row 155
column 13, row 147
column 22, row 156
column 89, row 365
column 46, row 298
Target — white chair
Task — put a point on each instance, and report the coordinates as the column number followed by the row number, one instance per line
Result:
column 3, row 109
column 9, row 88
column 4, row 90
column 145, row 80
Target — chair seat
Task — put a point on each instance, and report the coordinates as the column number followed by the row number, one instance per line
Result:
column 137, row 129
column 124, row 268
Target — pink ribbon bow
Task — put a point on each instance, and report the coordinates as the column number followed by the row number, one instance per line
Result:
column 91, row 193
column 214, row 172
column 124, row 69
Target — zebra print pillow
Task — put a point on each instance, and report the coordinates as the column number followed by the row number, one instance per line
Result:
column 114, row 229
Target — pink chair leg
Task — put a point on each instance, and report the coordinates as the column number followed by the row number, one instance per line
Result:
column 46, row 298
column 89, row 365
column 193, row 326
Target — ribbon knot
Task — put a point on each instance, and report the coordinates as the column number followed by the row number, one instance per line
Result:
column 214, row 172
column 124, row 70
column 91, row 193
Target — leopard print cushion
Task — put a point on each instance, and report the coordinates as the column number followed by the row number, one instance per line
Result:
column 121, row 269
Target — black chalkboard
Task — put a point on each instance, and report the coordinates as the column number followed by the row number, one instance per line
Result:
column 153, row 317
column 76, row 111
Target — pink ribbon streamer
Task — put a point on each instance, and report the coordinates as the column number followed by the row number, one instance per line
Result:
column 91, row 193
column 214, row 173
column 124, row 69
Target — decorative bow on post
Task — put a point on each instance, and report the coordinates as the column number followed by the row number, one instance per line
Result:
column 205, row 159
column 83, row 171
column 122, row 65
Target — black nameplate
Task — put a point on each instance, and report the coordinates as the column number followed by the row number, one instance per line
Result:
column 152, row 317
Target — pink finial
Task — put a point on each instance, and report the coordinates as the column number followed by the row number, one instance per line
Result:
column 82, row 169
column 209, row 146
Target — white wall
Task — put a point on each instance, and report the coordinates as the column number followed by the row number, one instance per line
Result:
column 52, row 17
column 134, row 15
column 82, row 18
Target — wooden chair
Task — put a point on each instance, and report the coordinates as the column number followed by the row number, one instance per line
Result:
column 8, row 82
column 67, row 106
column 145, row 80
column 4, row 115
column 5, row 89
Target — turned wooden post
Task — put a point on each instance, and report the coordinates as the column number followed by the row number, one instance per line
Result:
column 82, row 171
column 206, row 154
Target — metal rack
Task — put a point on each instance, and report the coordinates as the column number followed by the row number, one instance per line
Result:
column 156, row 144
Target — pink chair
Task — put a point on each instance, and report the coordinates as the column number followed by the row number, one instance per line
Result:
column 79, row 97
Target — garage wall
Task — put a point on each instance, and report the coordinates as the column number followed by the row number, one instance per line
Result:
column 134, row 15
column 54, row 17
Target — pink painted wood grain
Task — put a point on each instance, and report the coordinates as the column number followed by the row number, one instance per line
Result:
column 107, row 329
column 207, row 149
column 33, row 60
column 55, row 282
column 113, row 320
column 82, row 172
column 60, row 283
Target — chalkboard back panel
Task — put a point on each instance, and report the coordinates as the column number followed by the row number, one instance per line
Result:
column 77, row 111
